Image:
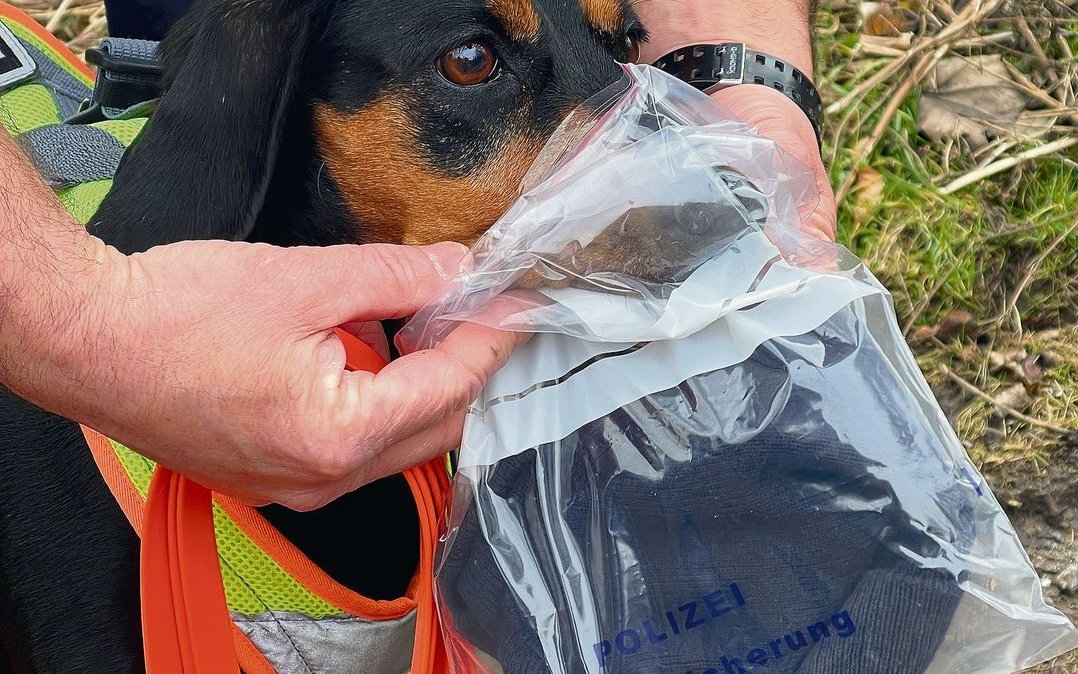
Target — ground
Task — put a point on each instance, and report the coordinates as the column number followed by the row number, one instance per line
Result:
column 985, row 276
column 968, row 216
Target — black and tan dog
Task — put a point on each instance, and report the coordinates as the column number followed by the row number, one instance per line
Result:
column 293, row 122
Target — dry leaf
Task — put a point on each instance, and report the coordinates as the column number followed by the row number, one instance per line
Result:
column 923, row 334
column 868, row 193
column 956, row 323
column 1032, row 372
column 1026, row 368
column 885, row 19
column 976, row 99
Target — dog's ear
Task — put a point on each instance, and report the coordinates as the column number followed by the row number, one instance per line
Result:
column 201, row 168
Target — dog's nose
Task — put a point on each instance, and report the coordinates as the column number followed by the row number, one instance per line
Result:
column 697, row 219
column 698, row 225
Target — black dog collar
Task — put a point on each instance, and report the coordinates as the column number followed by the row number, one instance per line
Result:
column 712, row 67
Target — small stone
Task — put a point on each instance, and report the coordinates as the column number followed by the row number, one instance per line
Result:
column 1067, row 580
column 1014, row 397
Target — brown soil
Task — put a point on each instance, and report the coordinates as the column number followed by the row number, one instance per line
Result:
column 1043, row 506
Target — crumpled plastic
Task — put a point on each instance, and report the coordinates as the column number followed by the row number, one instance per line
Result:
column 716, row 454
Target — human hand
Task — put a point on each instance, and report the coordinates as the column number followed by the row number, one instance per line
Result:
column 778, row 118
column 219, row 360
column 777, row 27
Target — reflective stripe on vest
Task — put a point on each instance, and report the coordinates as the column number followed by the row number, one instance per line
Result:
column 271, row 587
column 288, row 615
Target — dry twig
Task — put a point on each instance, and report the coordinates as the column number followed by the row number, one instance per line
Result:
column 973, row 13
column 1003, row 407
column 980, row 174
column 866, row 148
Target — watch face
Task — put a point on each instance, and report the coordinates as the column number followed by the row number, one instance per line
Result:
column 15, row 63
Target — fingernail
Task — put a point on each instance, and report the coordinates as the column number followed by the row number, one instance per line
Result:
column 449, row 257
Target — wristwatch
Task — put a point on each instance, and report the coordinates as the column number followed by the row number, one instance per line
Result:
column 713, row 67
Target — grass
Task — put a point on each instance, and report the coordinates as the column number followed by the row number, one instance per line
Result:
column 79, row 23
column 1003, row 250
column 984, row 278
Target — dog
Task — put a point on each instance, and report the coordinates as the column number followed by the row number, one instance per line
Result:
column 293, row 122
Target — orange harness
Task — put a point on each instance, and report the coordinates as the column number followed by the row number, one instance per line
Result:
column 185, row 621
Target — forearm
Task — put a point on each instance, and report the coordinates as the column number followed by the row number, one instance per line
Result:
column 778, row 27
column 49, row 268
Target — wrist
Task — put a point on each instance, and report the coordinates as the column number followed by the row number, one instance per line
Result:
column 780, row 28
column 54, row 289
column 769, row 110
column 73, row 344
column 51, row 318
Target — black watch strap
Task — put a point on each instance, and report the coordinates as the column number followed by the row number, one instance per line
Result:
column 711, row 67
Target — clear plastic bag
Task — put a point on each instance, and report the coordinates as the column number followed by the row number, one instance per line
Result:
column 717, row 454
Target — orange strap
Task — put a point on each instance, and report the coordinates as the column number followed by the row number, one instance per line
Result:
column 428, row 652
column 185, row 622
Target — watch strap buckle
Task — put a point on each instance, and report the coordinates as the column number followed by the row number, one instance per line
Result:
column 707, row 67
column 712, row 67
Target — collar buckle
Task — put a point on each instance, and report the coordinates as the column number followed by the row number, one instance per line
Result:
column 128, row 73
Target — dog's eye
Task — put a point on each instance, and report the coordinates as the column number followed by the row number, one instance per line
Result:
column 469, row 64
column 632, row 49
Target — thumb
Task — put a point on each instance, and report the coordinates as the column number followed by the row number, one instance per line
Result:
column 778, row 118
column 350, row 283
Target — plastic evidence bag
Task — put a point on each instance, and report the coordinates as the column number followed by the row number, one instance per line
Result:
column 717, row 454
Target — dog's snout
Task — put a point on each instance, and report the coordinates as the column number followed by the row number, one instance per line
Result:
column 658, row 243
column 697, row 220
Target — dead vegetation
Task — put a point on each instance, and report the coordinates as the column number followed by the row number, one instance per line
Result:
column 79, row 23
column 952, row 143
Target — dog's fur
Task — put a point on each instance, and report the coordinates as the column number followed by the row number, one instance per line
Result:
column 289, row 122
